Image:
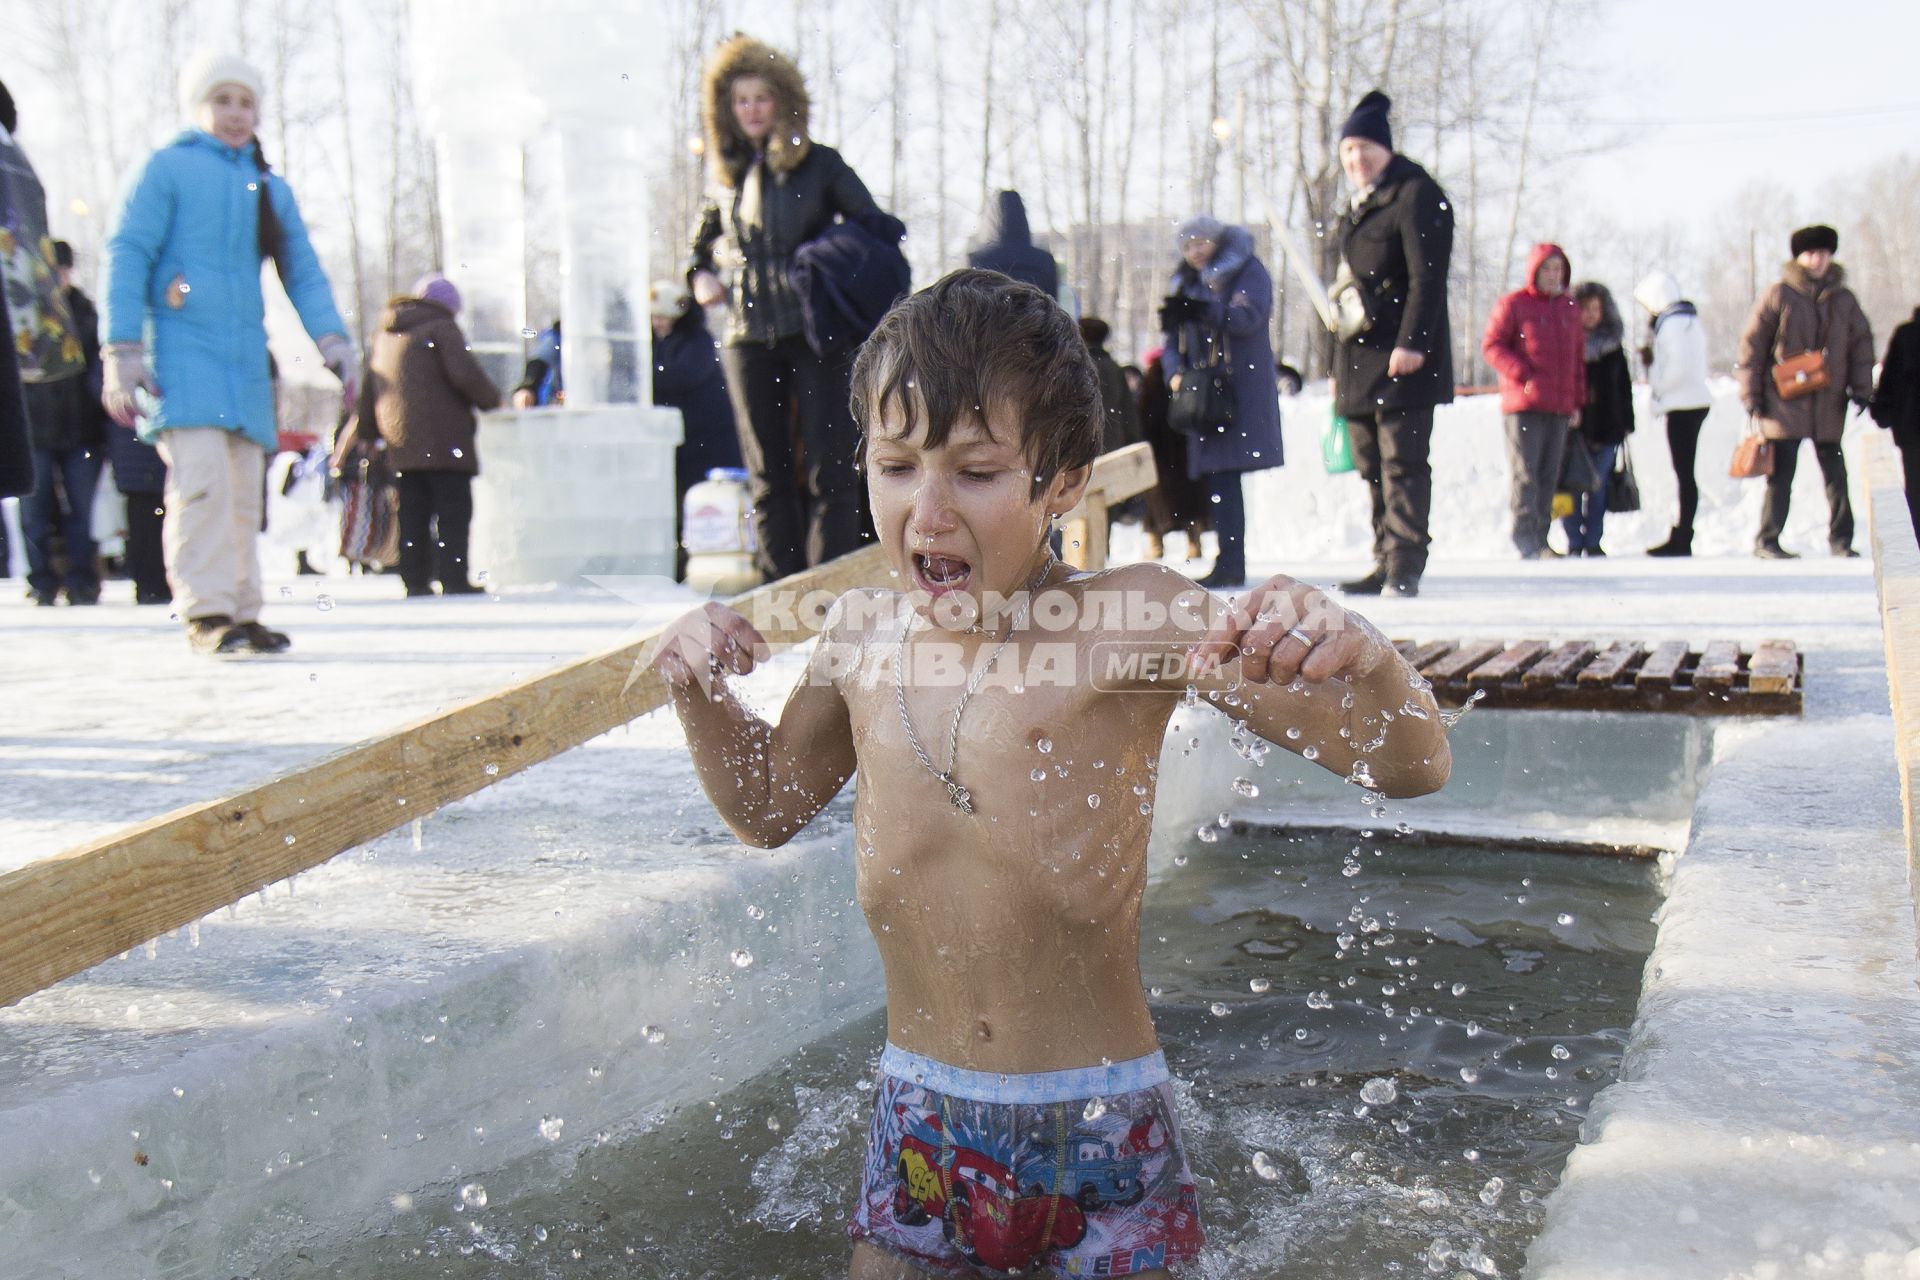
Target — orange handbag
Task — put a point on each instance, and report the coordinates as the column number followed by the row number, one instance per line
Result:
column 1752, row 457
column 1800, row 375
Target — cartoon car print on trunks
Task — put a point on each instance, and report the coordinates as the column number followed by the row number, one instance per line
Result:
column 977, row 1201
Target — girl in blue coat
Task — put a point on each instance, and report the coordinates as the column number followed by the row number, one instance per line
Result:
column 186, row 355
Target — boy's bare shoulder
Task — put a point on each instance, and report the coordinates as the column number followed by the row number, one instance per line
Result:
column 857, row 612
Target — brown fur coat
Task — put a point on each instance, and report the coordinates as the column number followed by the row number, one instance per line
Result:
column 728, row 151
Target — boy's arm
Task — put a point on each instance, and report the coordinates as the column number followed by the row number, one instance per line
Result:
column 1349, row 678
column 766, row 781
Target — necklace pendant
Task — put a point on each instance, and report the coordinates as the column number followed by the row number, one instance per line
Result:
column 961, row 797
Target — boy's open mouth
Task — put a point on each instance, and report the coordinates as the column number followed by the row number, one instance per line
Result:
column 938, row 574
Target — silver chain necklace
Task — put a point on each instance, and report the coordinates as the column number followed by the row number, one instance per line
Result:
column 962, row 798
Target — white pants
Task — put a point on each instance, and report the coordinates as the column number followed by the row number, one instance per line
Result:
column 215, row 482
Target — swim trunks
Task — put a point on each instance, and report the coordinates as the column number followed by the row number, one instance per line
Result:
column 1077, row 1172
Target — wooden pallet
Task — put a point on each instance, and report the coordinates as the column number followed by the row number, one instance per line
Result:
column 1582, row 675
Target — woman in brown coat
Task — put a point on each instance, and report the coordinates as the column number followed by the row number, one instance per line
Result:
column 420, row 392
column 1809, row 309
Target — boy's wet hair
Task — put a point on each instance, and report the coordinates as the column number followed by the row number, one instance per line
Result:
column 979, row 345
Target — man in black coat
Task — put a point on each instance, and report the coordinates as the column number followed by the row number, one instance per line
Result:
column 1896, row 405
column 1395, row 366
column 1004, row 244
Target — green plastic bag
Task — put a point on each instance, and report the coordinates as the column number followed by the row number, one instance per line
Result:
column 1336, row 446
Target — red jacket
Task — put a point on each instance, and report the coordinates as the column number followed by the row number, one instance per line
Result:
column 1536, row 344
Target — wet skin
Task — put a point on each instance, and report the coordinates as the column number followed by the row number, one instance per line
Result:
column 1010, row 936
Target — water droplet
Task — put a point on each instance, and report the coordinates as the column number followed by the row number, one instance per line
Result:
column 550, row 1127
column 1309, row 752
column 1095, row 1108
column 756, row 913
column 1379, row 1091
column 1293, row 733
column 1469, row 1075
column 1038, row 775
column 1145, row 808
column 1259, row 986
column 1219, row 1010
column 1207, row 834
column 1246, row 787
column 491, row 769
column 1223, row 820
column 1459, row 988
column 1263, row 1166
column 741, row 958
column 286, row 593
column 324, row 603
column 1319, row 1000
column 474, row 1196
column 1564, row 918
column 1561, row 1052
column 528, row 333
column 1044, row 746
column 1490, row 1194
column 652, row 1034
column 1093, row 801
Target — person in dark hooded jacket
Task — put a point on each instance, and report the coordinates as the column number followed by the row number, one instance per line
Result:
column 421, row 389
column 1004, row 244
column 16, row 453
column 687, row 377
column 1896, row 405
column 1607, row 418
column 774, row 189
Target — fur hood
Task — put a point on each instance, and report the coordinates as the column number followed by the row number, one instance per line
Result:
column 728, row 151
column 1796, row 278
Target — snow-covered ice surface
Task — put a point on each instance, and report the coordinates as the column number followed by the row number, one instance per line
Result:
column 584, row 943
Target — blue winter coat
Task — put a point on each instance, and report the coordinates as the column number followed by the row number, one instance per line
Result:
column 1238, row 295
column 193, row 215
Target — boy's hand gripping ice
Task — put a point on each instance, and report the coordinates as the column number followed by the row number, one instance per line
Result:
column 706, row 642
column 1282, row 629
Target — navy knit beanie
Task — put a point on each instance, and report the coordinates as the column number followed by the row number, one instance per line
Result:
column 1369, row 120
column 1815, row 237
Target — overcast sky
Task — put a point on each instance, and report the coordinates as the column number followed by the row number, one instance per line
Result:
column 1718, row 93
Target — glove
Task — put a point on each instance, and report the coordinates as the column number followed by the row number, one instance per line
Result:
column 123, row 372
column 338, row 353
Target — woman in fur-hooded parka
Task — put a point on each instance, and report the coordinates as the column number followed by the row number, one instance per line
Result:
column 774, row 189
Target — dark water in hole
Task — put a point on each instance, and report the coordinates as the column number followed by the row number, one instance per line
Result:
column 1491, row 991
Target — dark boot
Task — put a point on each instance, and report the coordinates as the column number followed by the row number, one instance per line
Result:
column 1678, row 543
column 262, row 639
column 1773, row 551
column 1371, row 585
column 215, row 633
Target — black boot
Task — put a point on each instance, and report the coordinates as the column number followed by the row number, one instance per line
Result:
column 1368, row 586
column 1678, row 543
column 215, row 633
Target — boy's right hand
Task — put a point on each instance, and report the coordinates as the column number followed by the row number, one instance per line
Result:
column 706, row 642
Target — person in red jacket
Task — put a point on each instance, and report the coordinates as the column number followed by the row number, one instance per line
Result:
column 1535, row 342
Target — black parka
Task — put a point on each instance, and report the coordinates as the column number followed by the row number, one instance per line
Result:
column 1896, row 399
column 1398, row 243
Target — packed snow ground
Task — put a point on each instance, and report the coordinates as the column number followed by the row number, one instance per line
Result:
column 414, row 1012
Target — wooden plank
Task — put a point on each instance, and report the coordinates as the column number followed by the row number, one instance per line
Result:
column 1773, row 668
column 68, row 912
column 1462, row 660
column 1661, row 666
column 1116, row 477
column 1509, row 663
column 1613, row 660
column 1558, row 666
column 1422, row 656
column 1719, row 664
column 65, row 913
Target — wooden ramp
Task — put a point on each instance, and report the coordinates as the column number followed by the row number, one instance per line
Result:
column 1621, row 675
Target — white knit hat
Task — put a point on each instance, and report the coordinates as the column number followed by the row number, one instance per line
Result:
column 207, row 71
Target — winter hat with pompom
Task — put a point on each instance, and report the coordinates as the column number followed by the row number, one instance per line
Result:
column 208, row 71
column 436, row 288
